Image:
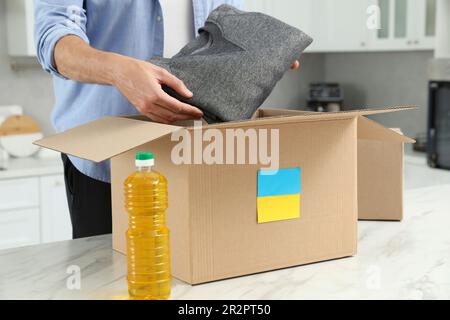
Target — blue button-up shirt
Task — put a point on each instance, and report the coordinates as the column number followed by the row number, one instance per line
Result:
column 133, row 28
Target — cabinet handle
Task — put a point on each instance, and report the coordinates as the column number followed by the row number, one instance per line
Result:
column 409, row 42
column 416, row 42
column 363, row 44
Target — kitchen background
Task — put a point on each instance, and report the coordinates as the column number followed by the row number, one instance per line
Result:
column 373, row 74
column 373, row 67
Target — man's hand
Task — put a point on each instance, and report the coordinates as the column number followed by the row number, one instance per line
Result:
column 140, row 82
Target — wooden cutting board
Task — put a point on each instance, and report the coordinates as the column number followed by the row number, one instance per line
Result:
column 19, row 125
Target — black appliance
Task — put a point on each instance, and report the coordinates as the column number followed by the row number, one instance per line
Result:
column 438, row 148
column 325, row 97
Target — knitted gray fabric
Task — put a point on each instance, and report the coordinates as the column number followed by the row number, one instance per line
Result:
column 235, row 62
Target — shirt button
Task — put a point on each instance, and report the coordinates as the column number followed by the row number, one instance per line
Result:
column 158, row 18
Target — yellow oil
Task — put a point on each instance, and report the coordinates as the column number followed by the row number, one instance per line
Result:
column 147, row 237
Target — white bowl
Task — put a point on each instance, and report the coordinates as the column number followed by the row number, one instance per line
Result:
column 20, row 145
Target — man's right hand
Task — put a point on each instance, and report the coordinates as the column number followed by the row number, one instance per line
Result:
column 141, row 83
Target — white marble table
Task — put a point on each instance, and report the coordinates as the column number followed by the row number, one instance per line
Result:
column 407, row 260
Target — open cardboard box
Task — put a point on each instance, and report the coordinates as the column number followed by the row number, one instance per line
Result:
column 380, row 179
column 380, row 172
column 213, row 216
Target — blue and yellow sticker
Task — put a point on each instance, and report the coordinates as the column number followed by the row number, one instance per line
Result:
column 278, row 196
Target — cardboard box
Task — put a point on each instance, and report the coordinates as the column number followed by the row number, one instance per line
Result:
column 212, row 215
column 380, row 179
column 380, row 173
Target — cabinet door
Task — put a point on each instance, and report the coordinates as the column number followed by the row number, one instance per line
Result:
column 55, row 218
column 297, row 13
column 20, row 25
column 394, row 31
column 425, row 27
column 345, row 24
column 19, row 228
column 19, row 194
column 335, row 25
column 403, row 25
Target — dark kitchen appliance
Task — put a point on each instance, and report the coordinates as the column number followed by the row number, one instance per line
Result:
column 421, row 143
column 325, row 97
column 438, row 149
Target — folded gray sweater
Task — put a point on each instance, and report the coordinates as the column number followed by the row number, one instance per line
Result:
column 235, row 62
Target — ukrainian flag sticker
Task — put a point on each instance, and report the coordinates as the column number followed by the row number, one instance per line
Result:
column 278, row 194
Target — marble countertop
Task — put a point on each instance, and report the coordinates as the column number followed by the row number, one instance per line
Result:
column 395, row 260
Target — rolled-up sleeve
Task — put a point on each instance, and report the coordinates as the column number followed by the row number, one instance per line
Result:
column 55, row 19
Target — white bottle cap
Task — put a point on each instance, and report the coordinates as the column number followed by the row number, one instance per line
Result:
column 145, row 163
column 145, row 159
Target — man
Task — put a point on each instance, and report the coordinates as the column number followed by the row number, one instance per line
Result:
column 96, row 51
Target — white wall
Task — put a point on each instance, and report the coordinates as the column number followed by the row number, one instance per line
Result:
column 368, row 80
column 30, row 86
column 292, row 91
column 384, row 79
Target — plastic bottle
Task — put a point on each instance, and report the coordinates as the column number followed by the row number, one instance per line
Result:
column 147, row 237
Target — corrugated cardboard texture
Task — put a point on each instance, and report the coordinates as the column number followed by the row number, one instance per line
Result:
column 380, row 180
column 370, row 130
column 268, row 112
column 102, row 139
column 380, row 167
column 212, row 209
column 226, row 239
column 271, row 116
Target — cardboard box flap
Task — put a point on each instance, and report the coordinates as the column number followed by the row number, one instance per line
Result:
column 267, row 112
column 102, row 139
column 275, row 116
column 370, row 130
column 354, row 112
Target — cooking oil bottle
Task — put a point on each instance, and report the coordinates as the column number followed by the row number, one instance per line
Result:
column 147, row 237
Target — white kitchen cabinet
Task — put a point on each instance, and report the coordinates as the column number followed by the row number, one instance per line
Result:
column 55, row 219
column 298, row 13
column 404, row 25
column 19, row 228
column 19, row 193
column 335, row 25
column 426, row 24
column 342, row 25
column 20, row 25
column 33, row 203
